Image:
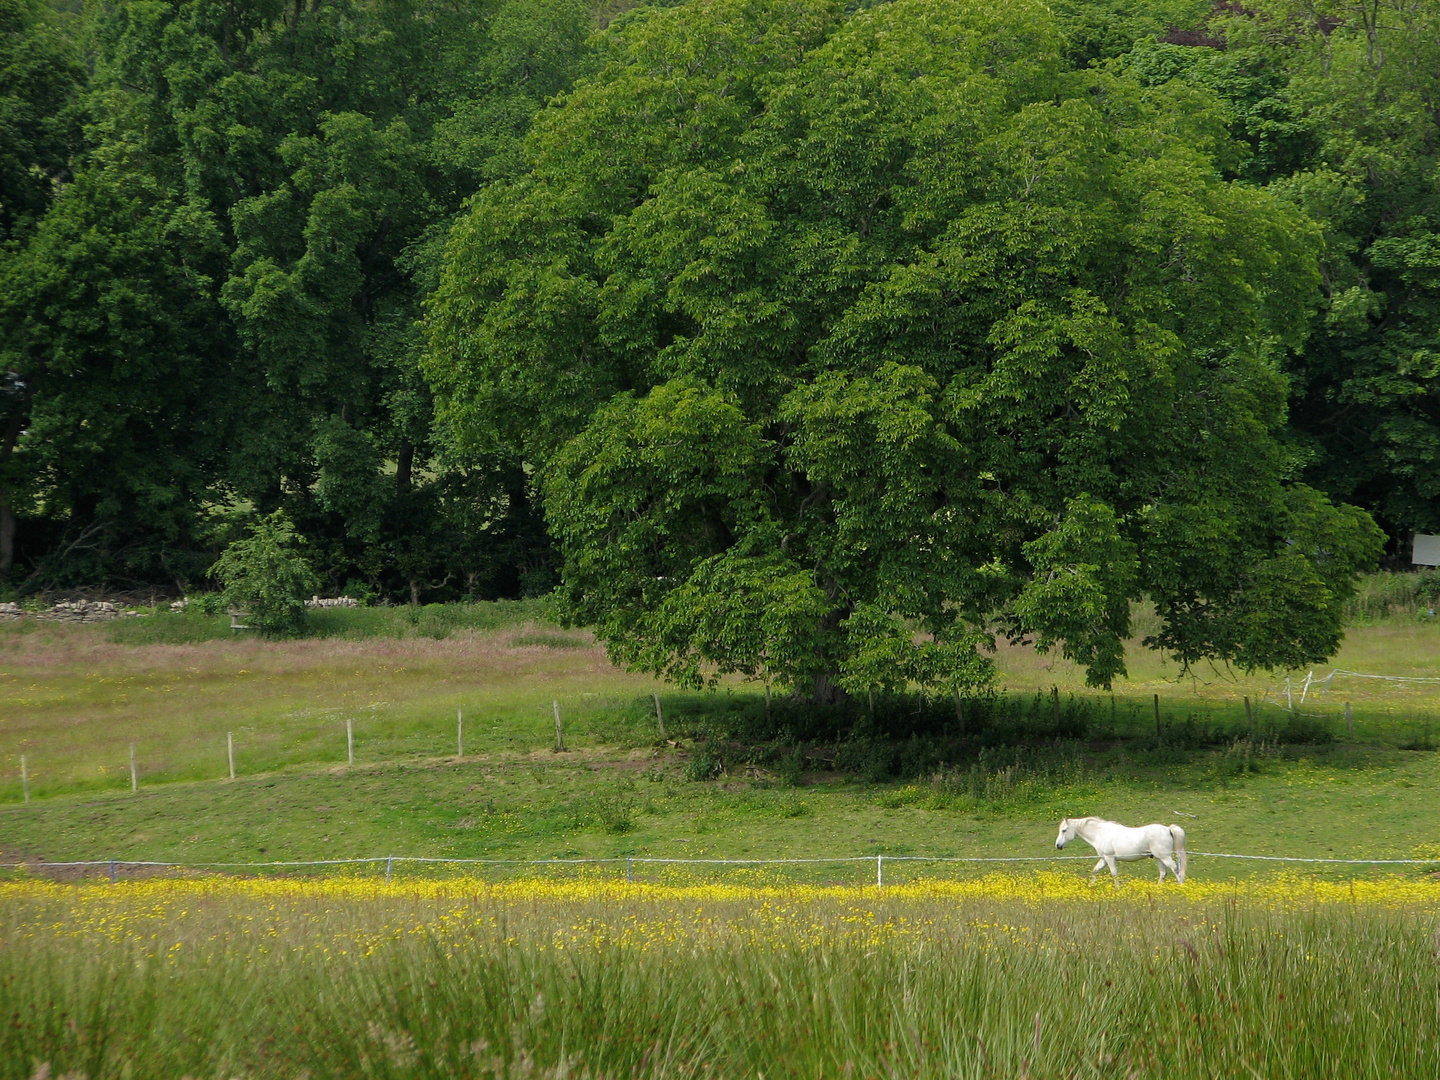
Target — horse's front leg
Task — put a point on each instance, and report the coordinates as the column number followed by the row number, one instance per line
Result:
column 1094, row 870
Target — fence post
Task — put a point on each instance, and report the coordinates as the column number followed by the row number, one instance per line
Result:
column 134, row 772
column 629, row 876
column 24, row 778
column 459, row 732
column 349, row 741
column 1249, row 720
column 559, row 732
column 112, row 871
column 659, row 716
column 879, row 871
column 1158, row 735
column 389, row 859
column 230, row 751
column 1349, row 722
column 1055, row 706
column 959, row 712
column 1289, row 701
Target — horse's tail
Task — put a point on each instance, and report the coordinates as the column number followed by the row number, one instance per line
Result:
column 1179, row 836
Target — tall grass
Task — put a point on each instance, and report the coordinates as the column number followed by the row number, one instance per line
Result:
column 436, row 621
column 1392, row 594
column 1035, row 980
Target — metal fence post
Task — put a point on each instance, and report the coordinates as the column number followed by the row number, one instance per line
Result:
column 112, row 871
column 879, row 871
column 389, row 859
column 629, row 877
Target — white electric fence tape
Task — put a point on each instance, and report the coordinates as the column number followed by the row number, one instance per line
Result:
column 395, row 859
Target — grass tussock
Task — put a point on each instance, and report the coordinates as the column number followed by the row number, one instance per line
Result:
column 1038, row 976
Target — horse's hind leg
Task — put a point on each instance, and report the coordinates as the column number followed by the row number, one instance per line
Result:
column 1167, row 863
column 1095, row 870
column 1114, row 870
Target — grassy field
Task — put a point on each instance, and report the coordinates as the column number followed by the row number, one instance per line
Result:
column 73, row 698
column 699, row 970
column 1026, row 976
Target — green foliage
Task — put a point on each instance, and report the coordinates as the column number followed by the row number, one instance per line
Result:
column 704, row 764
column 843, row 343
column 267, row 577
column 221, row 310
column 1334, row 101
column 40, row 75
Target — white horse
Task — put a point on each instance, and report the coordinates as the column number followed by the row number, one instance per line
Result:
column 1114, row 843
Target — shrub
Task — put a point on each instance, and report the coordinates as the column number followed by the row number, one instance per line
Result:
column 1306, row 729
column 790, row 767
column 704, row 764
column 1241, row 758
column 266, row 576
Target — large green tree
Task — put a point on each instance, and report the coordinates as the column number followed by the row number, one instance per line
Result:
column 220, row 310
column 40, row 77
column 1338, row 101
column 842, row 343
column 1366, row 76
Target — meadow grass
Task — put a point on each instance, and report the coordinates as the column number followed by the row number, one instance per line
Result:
column 1018, row 976
column 690, row 971
column 72, row 699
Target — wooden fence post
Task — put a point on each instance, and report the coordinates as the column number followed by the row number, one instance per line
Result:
column 24, row 778
column 134, row 771
column 659, row 716
column 230, row 751
column 349, row 741
column 559, row 731
column 1158, row 735
column 459, row 733
column 1349, row 722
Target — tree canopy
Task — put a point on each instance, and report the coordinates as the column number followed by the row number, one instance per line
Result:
column 216, row 313
column 842, row 343
column 818, row 342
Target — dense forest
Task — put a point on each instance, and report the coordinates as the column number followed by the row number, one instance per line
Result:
column 722, row 310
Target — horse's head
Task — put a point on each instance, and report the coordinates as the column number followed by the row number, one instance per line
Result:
column 1067, row 833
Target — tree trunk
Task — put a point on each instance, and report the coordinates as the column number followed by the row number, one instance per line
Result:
column 7, row 512
column 825, row 691
column 7, row 534
column 404, row 465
